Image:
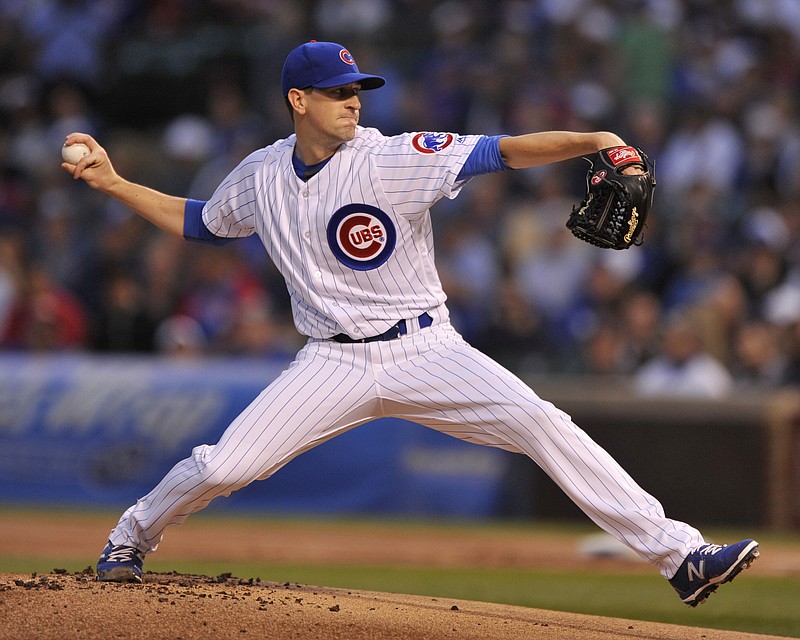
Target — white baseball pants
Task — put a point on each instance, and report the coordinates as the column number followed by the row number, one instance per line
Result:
column 432, row 377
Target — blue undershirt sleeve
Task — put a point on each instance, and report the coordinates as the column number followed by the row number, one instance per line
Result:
column 485, row 158
column 193, row 227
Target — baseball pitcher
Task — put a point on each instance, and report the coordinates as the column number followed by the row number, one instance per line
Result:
column 344, row 213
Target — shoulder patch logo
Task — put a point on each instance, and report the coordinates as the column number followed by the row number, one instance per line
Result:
column 427, row 143
column 361, row 236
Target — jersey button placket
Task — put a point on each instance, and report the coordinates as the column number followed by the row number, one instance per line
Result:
column 304, row 219
column 305, row 205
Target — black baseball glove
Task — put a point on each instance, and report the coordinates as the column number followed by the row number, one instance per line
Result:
column 614, row 211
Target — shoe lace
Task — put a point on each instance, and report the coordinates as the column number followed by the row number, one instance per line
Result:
column 710, row 549
column 124, row 554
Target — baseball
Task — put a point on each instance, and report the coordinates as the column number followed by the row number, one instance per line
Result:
column 74, row 152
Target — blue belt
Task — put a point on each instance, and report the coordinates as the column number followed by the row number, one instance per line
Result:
column 395, row 331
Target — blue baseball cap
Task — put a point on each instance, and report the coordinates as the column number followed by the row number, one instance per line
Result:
column 324, row 65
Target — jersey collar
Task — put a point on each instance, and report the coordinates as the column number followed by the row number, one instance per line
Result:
column 306, row 172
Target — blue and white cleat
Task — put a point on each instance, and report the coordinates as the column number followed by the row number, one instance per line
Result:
column 709, row 566
column 120, row 564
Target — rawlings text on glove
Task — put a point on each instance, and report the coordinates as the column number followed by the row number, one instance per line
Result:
column 614, row 211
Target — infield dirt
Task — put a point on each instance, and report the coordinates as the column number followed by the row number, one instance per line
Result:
column 67, row 605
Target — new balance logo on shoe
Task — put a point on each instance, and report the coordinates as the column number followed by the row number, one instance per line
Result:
column 697, row 571
column 709, row 566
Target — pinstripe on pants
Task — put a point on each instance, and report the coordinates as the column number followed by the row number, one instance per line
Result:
column 431, row 377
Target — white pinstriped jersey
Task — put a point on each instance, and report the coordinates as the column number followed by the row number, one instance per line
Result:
column 354, row 243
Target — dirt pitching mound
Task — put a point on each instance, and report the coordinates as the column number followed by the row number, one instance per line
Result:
column 175, row 606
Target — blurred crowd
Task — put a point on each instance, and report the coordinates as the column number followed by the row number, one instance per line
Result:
column 179, row 91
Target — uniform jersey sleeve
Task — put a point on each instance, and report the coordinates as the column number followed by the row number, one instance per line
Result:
column 418, row 169
column 231, row 210
column 485, row 158
column 193, row 227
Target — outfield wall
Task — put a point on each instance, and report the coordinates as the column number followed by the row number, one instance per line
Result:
column 101, row 431
column 734, row 462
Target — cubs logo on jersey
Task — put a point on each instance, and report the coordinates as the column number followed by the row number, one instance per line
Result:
column 361, row 236
column 427, row 143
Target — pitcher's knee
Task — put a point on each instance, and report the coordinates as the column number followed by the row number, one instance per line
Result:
column 215, row 477
column 218, row 476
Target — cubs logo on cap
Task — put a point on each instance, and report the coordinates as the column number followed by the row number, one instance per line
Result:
column 427, row 143
column 361, row 236
column 324, row 65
